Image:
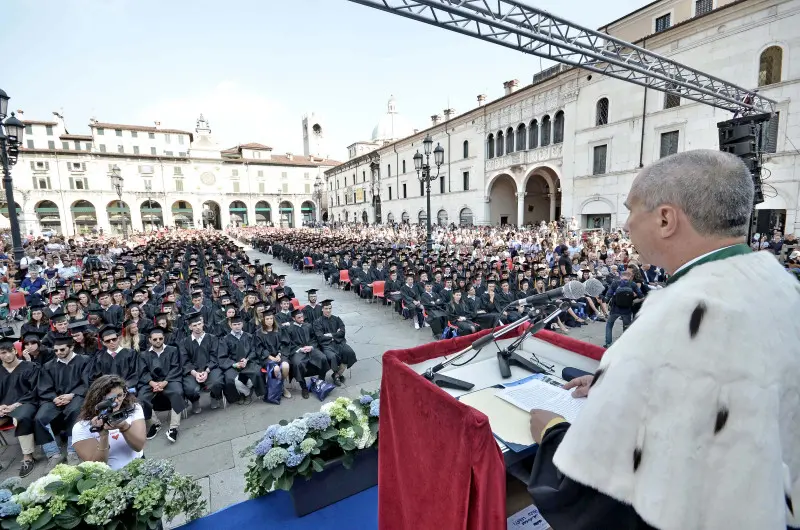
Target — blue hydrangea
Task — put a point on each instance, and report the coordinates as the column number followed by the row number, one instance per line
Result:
column 292, row 434
column 263, row 446
column 317, row 421
column 161, row 469
column 11, row 483
column 294, row 459
column 9, row 509
column 5, row 495
column 365, row 400
column 272, row 430
column 375, row 408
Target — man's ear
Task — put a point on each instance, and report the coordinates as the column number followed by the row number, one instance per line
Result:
column 668, row 218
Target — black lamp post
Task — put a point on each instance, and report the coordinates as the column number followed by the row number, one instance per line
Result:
column 375, row 168
column 424, row 175
column 117, row 182
column 318, row 197
column 11, row 131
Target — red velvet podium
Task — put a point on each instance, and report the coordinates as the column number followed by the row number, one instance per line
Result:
column 439, row 465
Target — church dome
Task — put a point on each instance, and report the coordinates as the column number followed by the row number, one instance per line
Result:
column 392, row 126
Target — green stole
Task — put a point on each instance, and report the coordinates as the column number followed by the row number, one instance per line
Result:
column 717, row 255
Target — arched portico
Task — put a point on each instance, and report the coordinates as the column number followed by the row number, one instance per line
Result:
column 502, row 192
column 542, row 198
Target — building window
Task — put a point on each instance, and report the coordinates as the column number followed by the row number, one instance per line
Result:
column 177, row 170
column 285, row 187
column 490, row 146
column 769, row 66
column 404, row 167
column 284, row 175
column 701, row 7
column 120, row 149
column 510, row 140
column 29, row 129
column 602, row 112
column 533, row 135
column 65, row 146
column 118, row 132
column 308, row 187
column 135, row 149
column 178, row 184
column 49, row 129
column 404, row 191
column 558, row 127
column 669, row 143
column 545, row 131
column 88, row 146
column 148, row 184
column 152, row 150
column 422, row 189
column 29, row 143
column 152, row 136
column 500, row 144
column 166, row 138
column 78, row 183
column 389, row 170
column 599, row 164
column 41, row 183
column 102, row 148
column 520, row 138
column 441, row 184
column 466, row 180
column 466, row 149
column 672, row 100
column 306, row 176
column 234, row 172
column 390, row 193
column 363, row 176
column 51, row 144
column 182, row 153
column 167, row 153
column 262, row 187
column 235, row 187
column 134, row 134
column 663, row 22
column 260, row 173
column 100, row 131
column 180, row 142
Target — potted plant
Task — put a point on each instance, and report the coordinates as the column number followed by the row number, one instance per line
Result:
column 92, row 495
column 334, row 450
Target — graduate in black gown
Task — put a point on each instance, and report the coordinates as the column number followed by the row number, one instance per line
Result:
column 18, row 399
column 247, row 360
column 330, row 333
column 305, row 357
column 114, row 359
column 284, row 315
column 61, row 389
column 33, row 350
column 272, row 341
column 312, row 311
column 460, row 315
column 60, row 322
column 161, row 376
column 200, row 364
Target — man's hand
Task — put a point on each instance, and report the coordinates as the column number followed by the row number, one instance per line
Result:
column 581, row 385
column 4, row 410
column 162, row 385
column 328, row 335
column 307, row 349
column 539, row 420
column 201, row 377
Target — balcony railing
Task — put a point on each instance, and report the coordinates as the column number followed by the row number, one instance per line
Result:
column 531, row 156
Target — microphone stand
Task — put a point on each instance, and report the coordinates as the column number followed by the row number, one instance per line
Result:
column 509, row 355
column 440, row 380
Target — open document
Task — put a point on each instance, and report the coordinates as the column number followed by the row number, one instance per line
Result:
column 537, row 394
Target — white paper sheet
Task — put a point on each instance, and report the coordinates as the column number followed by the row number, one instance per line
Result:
column 527, row 519
column 539, row 395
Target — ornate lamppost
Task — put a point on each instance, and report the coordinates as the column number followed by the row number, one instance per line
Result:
column 11, row 131
column 318, row 186
column 424, row 175
column 117, row 183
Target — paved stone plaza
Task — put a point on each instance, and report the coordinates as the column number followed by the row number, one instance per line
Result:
column 209, row 443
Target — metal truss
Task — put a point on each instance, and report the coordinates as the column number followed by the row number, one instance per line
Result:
column 524, row 28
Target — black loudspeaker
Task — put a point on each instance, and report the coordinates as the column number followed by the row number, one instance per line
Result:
column 742, row 137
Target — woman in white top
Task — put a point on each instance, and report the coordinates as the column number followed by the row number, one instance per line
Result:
column 117, row 444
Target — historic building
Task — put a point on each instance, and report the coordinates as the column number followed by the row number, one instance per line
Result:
column 64, row 182
column 571, row 142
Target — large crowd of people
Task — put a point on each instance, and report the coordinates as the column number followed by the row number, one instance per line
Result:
column 150, row 322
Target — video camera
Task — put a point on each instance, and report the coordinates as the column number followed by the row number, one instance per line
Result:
column 105, row 411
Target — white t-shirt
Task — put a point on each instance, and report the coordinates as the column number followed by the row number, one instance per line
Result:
column 119, row 453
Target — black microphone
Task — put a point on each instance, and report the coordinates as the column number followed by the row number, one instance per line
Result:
column 572, row 290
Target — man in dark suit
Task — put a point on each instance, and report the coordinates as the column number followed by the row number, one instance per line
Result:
column 161, row 375
column 304, row 355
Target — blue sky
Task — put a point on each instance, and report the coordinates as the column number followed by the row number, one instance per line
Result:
column 253, row 67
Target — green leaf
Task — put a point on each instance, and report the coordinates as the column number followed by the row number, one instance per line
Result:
column 73, row 497
column 10, row 524
column 353, row 417
column 278, row 471
column 53, row 487
column 347, row 460
column 153, row 523
column 158, row 513
column 358, row 430
column 288, row 481
column 67, row 519
column 328, row 433
column 373, row 428
column 363, row 392
column 304, row 465
column 42, row 521
column 112, row 525
column 317, row 463
column 283, row 422
column 86, row 484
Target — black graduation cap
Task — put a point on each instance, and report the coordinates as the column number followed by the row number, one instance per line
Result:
column 37, row 304
column 58, row 316
column 197, row 294
column 130, row 305
column 282, row 298
column 109, row 330
column 63, row 341
column 296, row 312
column 193, row 317
column 103, row 293
column 326, row 302
column 116, row 290
column 229, row 306
column 79, row 326
column 311, row 291
column 268, row 264
column 156, row 329
column 7, row 342
column 237, row 318
column 128, row 323
column 281, row 276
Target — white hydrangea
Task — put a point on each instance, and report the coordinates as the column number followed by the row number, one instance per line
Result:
column 363, row 421
column 36, row 494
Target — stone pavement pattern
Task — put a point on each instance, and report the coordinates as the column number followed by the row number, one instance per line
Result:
column 209, row 443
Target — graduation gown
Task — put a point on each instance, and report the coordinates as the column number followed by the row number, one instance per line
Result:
column 19, row 386
column 125, row 364
column 161, row 367
column 457, row 310
column 56, row 379
column 311, row 314
column 298, row 336
column 245, row 347
column 334, row 347
column 114, row 315
column 283, row 318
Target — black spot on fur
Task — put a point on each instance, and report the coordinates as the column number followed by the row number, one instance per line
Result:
column 789, row 504
column 597, row 375
column 637, row 458
column 722, row 419
column 697, row 317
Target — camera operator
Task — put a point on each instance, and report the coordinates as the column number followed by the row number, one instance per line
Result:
column 119, row 420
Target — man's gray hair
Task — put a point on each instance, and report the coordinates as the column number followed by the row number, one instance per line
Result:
column 714, row 189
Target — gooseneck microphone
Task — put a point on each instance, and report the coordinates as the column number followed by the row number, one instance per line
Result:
column 572, row 291
column 593, row 287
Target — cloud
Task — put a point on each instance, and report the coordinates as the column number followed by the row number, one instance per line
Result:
column 236, row 115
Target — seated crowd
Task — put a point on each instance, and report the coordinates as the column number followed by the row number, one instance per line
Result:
column 167, row 317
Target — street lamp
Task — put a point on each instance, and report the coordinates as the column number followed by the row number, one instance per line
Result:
column 375, row 168
column 424, row 175
column 318, row 186
column 11, row 131
column 117, row 182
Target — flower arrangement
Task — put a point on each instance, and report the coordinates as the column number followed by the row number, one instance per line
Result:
column 341, row 428
column 92, row 495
